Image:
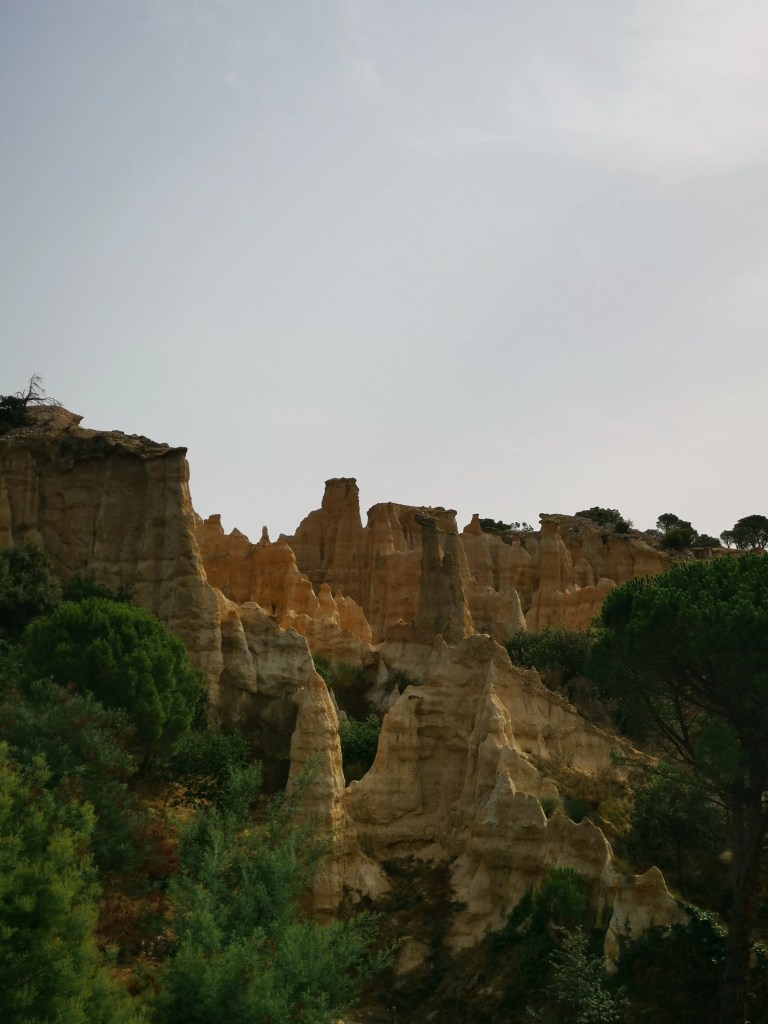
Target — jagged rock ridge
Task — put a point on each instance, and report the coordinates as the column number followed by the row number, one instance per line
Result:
column 455, row 774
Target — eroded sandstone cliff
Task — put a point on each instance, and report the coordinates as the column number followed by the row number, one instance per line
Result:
column 117, row 506
column 461, row 768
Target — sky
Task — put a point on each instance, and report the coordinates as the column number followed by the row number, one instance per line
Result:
column 502, row 256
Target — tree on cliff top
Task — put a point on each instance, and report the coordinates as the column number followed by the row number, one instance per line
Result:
column 688, row 647
column 13, row 408
column 606, row 517
column 751, row 532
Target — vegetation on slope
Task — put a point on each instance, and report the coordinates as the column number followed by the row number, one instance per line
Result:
column 136, row 888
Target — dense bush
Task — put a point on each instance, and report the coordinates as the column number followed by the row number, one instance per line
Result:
column 50, row 966
column 29, row 587
column 606, row 517
column 675, row 825
column 126, row 658
column 578, row 990
column 84, row 747
column 672, row 974
column 402, row 680
column 202, row 766
column 244, row 951
column 555, row 647
column 82, row 586
column 497, row 525
column 359, row 742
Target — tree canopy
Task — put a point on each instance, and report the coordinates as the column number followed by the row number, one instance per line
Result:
column 50, row 966
column 678, row 533
column 125, row 657
column 29, row 587
column 751, row 532
column 689, row 647
column 244, row 950
column 606, row 517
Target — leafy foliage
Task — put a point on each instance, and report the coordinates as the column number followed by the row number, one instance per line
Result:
column 555, row 647
column 82, row 586
column 677, row 533
column 29, row 587
column 577, row 990
column 706, row 540
column 244, row 951
column 84, row 746
column 688, row 647
column 402, row 680
column 50, row 966
column 606, row 517
column 488, row 525
column 202, row 766
column 672, row 974
column 559, row 902
column 125, row 657
column 674, row 824
column 359, row 742
column 751, row 532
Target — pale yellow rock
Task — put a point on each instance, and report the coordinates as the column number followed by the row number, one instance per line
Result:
column 640, row 902
column 117, row 506
column 267, row 574
column 454, row 777
column 412, row 954
column 316, row 759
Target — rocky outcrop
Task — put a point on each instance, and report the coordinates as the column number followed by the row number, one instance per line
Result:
column 461, row 770
column 575, row 564
column 267, row 574
column 329, row 543
column 316, row 768
column 117, row 506
column 460, row 774
column 442, row 607
column 559, row 575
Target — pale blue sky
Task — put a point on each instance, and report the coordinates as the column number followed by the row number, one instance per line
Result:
column 507, row 257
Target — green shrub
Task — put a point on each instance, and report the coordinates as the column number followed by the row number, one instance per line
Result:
column 549, row 805
column 84, row 746
column 244, row 950
column 203, row 764
column 603, row 516
column 13, row 412
column 126, row 658
column 675, row 826
column 559, row 902
column 51, row 968
column 555, row 647
column 359, row 741
column 82, row 586
column 578, row 988
column 29, row 587
column 402, row 680
column 672, row 974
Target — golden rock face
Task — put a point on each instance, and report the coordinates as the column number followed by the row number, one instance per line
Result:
column 460, row 772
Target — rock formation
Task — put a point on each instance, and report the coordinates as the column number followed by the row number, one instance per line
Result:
column 462, row 762
column 558, row 576
column 115, row 505
column 460, row 774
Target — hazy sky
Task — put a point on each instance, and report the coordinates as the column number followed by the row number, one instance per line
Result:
column 506, row 256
